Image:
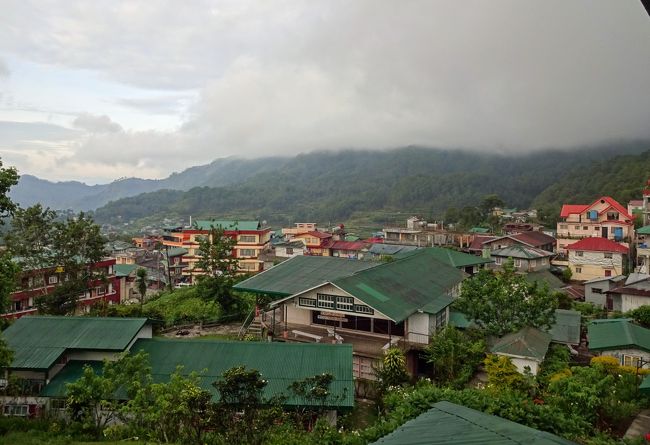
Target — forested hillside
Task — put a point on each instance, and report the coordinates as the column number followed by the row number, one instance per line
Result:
column 334, row 185
column 79, row 196
column 621, row 177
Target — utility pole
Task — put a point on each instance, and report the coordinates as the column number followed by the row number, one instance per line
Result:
column 169, row 274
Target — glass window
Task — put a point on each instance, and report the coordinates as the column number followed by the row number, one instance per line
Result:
column 597, row 290
column 16, row 410
column 289, row 250
column 578, row 269
column 248, row 238
column 631, row 360
column 309, row 302
column 362, row 308
column 52, row 279
column 345, row 303
column 246, row 252
column 326, row 301
column 579, row 253
column 608, row 255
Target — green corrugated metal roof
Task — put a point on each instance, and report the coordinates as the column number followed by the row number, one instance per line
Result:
column 617, row 334
column 645, row 230
column 399, row 288
column 71, row 372
column 280, row 364
column 301, row 273
column 447, row 256
column 451, row 424
column 124, row 270
column 479, row 230
column 227, row 224
column 545, row 276
column 176, row 251
column 527, row 342
column 566, row 328
column 459, row 320
column 38, row 341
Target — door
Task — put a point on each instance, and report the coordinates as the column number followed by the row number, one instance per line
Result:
column 610, row 303
column 605, row 232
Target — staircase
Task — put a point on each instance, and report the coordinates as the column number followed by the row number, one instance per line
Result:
column 252, row 326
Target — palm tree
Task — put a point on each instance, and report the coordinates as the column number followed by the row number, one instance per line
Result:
column 141, row 282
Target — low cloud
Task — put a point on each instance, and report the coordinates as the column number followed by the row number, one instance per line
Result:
column 4, row 69
column 96, row 124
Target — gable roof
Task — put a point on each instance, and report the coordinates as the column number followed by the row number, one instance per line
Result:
column 544, row 276
column 348, row 245
column 479, row 240
column 527, row 342
column 534, row 238
column 301, row 273
column 450, row 257
column 315, row 234
column 452, row 424
column 38, row 341
column 566, row 328
column 479, row 230
column 645, row 230
column 519, row 251
column 400, row 288
column 176, row 251
column 390, row 249
column 570, row 209
column 124, row 270
column 618, row 333
column 227, row 224
column 593, row 244
column 614, row 279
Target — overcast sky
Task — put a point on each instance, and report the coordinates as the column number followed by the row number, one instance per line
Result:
column 96, row 90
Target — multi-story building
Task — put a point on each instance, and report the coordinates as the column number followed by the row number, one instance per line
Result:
column 289, row 232
column 595, row 257
column 317, row 243
column 251, row 240
column 41, row 282
column 604, row 218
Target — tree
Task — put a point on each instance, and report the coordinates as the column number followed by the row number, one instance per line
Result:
column 392, row 370
column 504, row 301
column 315, row 391
column 9, row 272
column 8, row 178
column 455, row 355
column 220, row 268
column 489, row 202
column 92, row 400
column 31, row 237
column 141, row 283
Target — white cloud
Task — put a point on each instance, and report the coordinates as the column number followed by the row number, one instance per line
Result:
column 293, row 76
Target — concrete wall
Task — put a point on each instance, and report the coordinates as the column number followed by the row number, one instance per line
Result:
column 630, row 302
column 521, row 363
column 594, row 264
column 595, row 298
column 418, row 329
column 619, row 353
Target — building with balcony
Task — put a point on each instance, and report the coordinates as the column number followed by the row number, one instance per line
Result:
column 289, row 232
column 592, row 258
column 316, row 243
column 251, row 240
column 34, row 284
column 604, row 218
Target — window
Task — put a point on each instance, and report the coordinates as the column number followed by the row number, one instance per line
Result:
column 631, row 360
column 362, row 308
column 578, row 269
column 533, row 263
column 326, row 301
column 517, row 262
column 497, row 260
column 597, row 290
column 289, row 250
column 596, row 228
column 577, row 227
column 345, row 304
column 585, row 228
column 608, row 273
column 248, row 238
column 57, row 404
column 308, row 302
column 544, row 260
column 441, row 319
column 563, row 227
column 16, row 410
column 52, row 279
column 580, row 253
column 608, row 254
column 101, row 290
column 246, row 252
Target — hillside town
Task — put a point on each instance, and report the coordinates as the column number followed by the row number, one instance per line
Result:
column 332, row 303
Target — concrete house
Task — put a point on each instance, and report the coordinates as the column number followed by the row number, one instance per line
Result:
column 631, row 294
column 597, row 257
column 596, row 289
column 622, row 339
column 604, row 218
column 526, row 259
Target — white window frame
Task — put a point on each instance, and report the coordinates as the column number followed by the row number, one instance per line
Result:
column 10, row 410
column 580, row 253
column 497, row 260
column 630, row 360
column 52, row 279
column 608, row 255
column 345, row 304
column 243, row 254
column 325, row 301
column 517, row 262
column 101, row 290
column 247, row 239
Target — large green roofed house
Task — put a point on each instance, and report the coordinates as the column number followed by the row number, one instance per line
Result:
column 280, row 364
column 451, row 424
column 454, row 258
column 38, row 342
column 526, row 348
column 300, row 273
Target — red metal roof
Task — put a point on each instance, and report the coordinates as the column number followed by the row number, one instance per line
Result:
column 571, row 209
column 477, row 242
column 347, row 245
column 593, row 244
column 321, row 235
column 535, row 239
